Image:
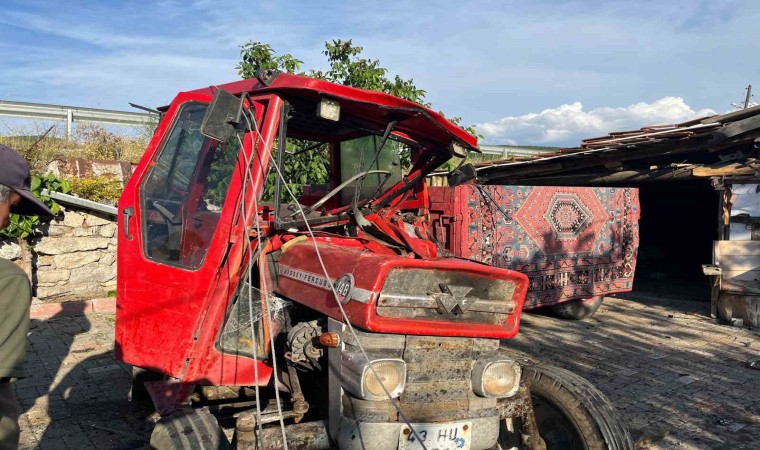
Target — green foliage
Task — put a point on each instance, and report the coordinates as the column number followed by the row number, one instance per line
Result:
column 300, row 169
column 347, row 67
column 23, row 227
column 98, row 189
column 257, row 56
column 220, row 173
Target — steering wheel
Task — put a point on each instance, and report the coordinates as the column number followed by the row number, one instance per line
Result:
column 171, row 241
column 342, row 186
column 172, row 224
column 166, row 214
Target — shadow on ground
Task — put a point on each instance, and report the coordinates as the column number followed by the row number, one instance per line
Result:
column 76, row 396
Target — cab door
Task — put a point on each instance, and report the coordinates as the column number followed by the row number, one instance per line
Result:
column 176, row 231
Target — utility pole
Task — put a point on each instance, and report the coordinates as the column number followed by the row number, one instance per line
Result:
column 749, row 95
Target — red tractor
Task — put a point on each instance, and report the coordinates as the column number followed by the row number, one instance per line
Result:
column 327, row 317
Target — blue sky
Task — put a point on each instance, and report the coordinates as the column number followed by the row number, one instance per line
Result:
column 528, row 72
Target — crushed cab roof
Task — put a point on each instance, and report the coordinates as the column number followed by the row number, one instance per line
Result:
column 414, row 119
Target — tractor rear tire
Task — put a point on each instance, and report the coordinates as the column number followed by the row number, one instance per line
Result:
column 187, row 429
column 572, row 414
column 579, row 309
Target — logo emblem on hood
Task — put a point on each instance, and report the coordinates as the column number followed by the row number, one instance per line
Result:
column 343, row 287
column 452, row 300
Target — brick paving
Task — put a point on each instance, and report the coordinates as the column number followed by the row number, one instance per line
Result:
column 678, row 379
column 77, row 395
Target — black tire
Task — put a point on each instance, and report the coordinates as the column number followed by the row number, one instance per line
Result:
column 579, row 309
column 572, row 414
column 188, row 429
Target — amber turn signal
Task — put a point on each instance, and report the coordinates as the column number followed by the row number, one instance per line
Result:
column 329, row 339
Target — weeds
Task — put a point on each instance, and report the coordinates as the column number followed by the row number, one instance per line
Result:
column 40, row 143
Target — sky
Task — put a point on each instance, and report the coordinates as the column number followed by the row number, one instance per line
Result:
column 524, row 72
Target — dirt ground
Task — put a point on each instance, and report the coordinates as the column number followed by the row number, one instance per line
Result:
column 680, row 380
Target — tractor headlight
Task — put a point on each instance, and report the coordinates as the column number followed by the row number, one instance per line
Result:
column 359, row 379
column 328, row 109
column 496, row 378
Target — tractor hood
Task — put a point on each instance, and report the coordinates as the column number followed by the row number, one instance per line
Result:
column 394, row 294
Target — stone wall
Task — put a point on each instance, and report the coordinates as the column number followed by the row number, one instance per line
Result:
column 75, row 259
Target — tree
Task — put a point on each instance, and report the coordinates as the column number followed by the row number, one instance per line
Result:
column 347, row 67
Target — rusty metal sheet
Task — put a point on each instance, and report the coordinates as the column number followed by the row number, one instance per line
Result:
column 420, row 372
column 436, row 412
column 369, row 410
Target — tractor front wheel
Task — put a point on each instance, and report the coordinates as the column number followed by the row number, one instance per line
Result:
column 188, row 429
column 570, row 414
column 579, row 309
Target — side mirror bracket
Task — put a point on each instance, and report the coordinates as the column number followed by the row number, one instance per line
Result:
column 461, row 175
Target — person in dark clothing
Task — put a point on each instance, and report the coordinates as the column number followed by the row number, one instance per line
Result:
column 15, row 291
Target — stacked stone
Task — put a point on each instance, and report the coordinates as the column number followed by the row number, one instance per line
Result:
column 75, row 259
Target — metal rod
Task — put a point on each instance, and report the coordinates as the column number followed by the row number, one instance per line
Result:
column 81, row 202
column 299, row 404
column 284, row 116
column 69, row 123
column 749, row 94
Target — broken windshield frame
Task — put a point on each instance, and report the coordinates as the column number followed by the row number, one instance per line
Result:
column 385, row 170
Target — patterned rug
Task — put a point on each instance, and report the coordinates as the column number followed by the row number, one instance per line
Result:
column 571, row 242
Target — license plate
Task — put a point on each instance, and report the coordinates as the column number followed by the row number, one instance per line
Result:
column 436, row 436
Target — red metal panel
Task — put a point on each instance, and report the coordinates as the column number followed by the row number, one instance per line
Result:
column 168, row 317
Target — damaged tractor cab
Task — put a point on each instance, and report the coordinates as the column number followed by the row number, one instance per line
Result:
column 326, row 319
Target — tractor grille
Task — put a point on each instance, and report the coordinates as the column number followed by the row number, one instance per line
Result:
column 438, row 386
column 439, row 295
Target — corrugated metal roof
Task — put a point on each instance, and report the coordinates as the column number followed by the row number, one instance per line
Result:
column 714, row 133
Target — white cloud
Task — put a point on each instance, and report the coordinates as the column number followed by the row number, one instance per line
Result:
column 568, row 124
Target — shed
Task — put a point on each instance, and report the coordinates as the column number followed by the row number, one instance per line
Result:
column 686, row 174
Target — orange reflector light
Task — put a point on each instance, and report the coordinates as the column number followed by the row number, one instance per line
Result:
column 329, row 339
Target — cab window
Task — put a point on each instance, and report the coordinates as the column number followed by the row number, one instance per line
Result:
column 183, row 195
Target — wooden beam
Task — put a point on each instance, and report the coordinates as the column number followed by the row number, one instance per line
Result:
column 597, row 178
column 727, row 170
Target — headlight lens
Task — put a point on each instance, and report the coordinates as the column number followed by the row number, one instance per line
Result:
column 392, row 373
column 499, row 378
column 358, row 379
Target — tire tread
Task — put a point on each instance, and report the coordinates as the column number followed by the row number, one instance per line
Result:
column 584, row 396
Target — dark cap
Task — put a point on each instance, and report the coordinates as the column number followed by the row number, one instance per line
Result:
column 14, row 173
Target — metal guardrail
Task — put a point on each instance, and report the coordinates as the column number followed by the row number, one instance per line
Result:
column 82, row 203
column 515, row 150
column 69, row 114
